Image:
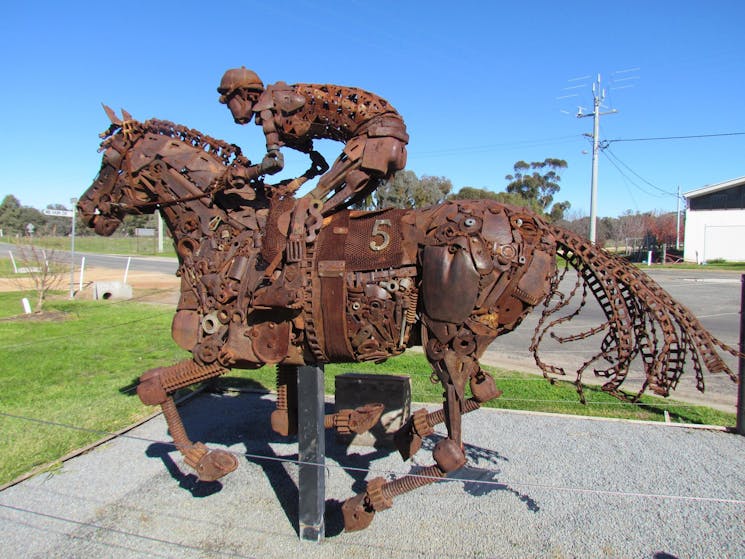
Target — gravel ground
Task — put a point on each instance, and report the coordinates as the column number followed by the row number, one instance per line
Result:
column 550, row 486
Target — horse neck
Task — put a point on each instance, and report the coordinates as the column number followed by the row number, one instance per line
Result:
column 158, row 170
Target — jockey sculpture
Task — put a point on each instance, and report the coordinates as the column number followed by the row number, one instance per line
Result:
column 294, row 115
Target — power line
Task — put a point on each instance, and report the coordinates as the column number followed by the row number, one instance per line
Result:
column 609, row 153
column 676, row 137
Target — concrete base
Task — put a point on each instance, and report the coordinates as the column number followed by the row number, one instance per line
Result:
column 394, row 392
column 111, row 290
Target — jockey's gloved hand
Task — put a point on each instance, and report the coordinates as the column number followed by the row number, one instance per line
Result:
column 272, row 163
column 320, row 165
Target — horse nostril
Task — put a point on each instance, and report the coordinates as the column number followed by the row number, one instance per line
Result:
column 105, row 226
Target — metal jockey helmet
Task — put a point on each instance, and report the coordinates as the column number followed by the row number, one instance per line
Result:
column 237, row 78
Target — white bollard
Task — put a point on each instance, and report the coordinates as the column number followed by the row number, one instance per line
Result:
column 26, row 306
column 13, row 261
column 126, row 270
column 649, row 258
column 82, row 271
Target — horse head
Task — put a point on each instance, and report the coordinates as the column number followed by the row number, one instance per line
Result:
column 105, row 203
column 150, row 165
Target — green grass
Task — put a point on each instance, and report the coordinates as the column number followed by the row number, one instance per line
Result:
column 143, row 246
column 80, row 368
column 6, row 267
column 716, row 266
column 522, row 391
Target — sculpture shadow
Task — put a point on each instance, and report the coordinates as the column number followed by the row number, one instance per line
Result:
column 130, row 389
column 243, row 419
column 478, row 481
column 233, row 419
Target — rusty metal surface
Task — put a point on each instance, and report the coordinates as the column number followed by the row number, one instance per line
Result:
column 267, row 279
column 293, row 116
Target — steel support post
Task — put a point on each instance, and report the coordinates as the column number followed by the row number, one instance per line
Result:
column 311, row 453
column 741, row 385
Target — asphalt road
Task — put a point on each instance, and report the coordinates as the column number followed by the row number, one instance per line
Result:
column 151, row 264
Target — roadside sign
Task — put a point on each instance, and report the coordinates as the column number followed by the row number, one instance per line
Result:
column 57, row 213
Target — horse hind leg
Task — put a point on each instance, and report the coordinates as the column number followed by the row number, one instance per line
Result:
column 453, row 369
column 408, row 438
column 359, row 511
column 453, row 363
column 156, row 387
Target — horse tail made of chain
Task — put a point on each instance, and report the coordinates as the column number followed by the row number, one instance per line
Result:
column 642, row 320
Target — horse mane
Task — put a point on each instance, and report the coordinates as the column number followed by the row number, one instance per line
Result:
column 225, row 152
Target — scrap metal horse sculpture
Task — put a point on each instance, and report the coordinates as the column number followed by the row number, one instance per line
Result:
column 266, row 279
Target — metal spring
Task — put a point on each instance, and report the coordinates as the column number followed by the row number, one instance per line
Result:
column 438, row 416
column 411, row 307
column 409, row 483
column 187, row 373
column 285, row 375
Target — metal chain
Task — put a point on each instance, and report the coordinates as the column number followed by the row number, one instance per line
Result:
column 635, row 308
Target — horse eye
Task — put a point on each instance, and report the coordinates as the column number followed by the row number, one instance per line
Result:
column 113, row 157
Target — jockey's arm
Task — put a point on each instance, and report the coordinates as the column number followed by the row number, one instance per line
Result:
column 273, row 161
column 240, row 175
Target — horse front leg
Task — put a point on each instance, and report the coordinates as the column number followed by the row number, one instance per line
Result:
column 156, row 387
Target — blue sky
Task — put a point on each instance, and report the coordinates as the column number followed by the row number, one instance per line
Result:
column 481, row 85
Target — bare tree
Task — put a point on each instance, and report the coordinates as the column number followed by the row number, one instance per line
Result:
column 42, row 270
column 630, row 227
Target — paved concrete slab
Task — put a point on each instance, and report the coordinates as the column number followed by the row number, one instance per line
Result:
column 548, row 487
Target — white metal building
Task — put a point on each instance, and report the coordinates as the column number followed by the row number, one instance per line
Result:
column 715, row 222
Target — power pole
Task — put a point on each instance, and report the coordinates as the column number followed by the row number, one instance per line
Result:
column 677, row 226
column 598, row 95
column 74, row 204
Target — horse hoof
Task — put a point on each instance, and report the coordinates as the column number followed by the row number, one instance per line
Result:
column 448, row 455
column 407, row 442
column 408, row 439
column 215, row 464
column 484, row 388
column 358, row 420
column 357, row 513
column 365, row 417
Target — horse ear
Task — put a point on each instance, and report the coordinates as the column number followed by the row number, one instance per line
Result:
column 126, row 115
column 111, row 114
